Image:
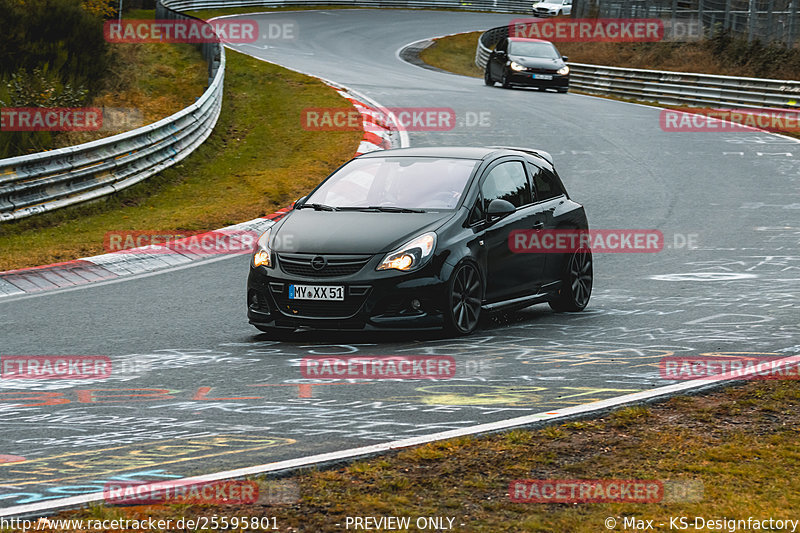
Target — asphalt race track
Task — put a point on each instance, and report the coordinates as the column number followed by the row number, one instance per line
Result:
column 197, row 390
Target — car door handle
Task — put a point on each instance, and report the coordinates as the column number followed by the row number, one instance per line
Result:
column 538, row 225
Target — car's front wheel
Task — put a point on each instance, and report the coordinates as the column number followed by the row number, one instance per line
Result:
column 504, row 82
column 576, row 282
column 487, row 77
column 464, row 297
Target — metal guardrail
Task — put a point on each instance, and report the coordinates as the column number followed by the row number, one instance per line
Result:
column 46, row 181
column 664, row 87
column 497, row 6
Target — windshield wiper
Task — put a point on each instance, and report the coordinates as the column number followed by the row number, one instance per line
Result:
column 384, row 209
column 320, row 207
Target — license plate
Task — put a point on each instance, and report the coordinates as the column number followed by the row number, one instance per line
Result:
column 542, row 76
column 316, row 292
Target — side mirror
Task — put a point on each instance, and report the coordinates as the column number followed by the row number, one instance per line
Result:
column 299, row 201
column 499, row 208
column 565, row 58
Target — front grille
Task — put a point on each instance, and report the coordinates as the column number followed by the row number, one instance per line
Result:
column 335, row 265
column 353, row 300
column 542, row 10
column 541, row 70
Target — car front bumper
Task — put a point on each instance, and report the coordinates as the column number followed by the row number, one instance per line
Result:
column 527, row 79
column 373, row 300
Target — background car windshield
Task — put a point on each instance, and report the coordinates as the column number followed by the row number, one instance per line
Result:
column 409, row 182
column 532, row 49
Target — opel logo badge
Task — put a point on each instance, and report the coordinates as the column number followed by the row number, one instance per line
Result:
column 318, row 263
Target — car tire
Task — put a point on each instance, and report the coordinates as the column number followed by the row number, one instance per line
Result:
column 562, row 90
column 542, row 89
column 576, row 283
column 462, row 309
column 504, row 82
column 487, row 77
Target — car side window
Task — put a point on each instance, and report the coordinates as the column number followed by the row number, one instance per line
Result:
column 545, row 183
column 506, row 181
column 502, row 46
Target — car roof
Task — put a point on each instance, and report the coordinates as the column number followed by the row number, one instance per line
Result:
column 527, row 40
column 458, row 152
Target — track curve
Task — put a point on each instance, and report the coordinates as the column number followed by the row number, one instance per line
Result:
column 201, row 392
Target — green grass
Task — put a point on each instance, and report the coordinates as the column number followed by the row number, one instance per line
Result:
column 734, row 453
column 455, row 53
column 258, row 159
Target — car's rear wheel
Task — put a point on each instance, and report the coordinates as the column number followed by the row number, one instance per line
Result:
column 576, row 283
column 562, row 90
column 487, row 77
column 464, row 297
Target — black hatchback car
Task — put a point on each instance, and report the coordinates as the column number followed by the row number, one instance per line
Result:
column 418, row 238
column 527, row 62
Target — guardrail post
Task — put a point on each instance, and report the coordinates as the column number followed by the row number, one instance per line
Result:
column 726, row 21
column 700, row 14
column 751, row 22
column 792, row 23
column 674, row 11
column 770, row 20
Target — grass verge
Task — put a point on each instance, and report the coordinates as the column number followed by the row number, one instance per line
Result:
column 735, row 449
column 150, row 80
column 256, row 161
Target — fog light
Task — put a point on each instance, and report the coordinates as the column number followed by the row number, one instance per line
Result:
column 416, row 305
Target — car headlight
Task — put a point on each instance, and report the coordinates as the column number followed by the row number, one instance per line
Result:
column 412, row 255
column 516, row 66
column 262, row 256
column 563, row 70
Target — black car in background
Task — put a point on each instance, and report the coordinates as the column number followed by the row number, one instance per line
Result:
column 527, row 62
column 418, row 238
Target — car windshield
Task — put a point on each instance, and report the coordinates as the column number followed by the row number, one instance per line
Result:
column 533, row 49
column 396, row 182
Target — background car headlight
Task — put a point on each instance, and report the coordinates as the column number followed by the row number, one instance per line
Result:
column 412, row 255
column 263, row 255
column 516, row 66
column 563, row 70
